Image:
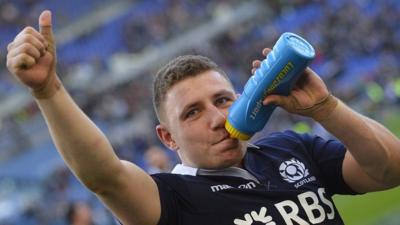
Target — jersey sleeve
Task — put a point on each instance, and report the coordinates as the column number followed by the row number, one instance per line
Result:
column 169, row 213
column 329, row 156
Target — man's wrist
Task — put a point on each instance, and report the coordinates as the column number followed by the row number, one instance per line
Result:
column 48, row 89
column 323, row 110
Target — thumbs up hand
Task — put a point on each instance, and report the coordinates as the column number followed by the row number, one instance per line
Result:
column 31, row 58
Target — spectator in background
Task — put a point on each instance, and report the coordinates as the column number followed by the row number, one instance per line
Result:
column 79, row 213
column 9, row 13
column 157, row 160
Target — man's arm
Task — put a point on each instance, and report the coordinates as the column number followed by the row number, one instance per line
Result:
column 372, row 161
column 127, row 190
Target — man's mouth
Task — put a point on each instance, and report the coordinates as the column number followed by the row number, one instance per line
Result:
column 223, row 138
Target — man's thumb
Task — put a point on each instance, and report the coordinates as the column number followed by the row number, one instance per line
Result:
column 45, row 25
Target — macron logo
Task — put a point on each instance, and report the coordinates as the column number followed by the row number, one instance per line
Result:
column 220, row 187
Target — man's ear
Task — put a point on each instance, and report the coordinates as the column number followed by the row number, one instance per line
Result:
column 165, row 137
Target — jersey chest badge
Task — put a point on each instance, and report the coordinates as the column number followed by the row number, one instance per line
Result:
column 294, row 171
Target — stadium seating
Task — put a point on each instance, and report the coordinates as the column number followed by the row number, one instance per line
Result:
column 349, row 58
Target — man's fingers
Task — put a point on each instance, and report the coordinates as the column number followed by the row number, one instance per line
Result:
column 27, row 48
column 30, row 35
column 255, row 65
column 21, row 61
column 9, row 46
column 45, row 25
column 275, row 99
column 31, row 39
column 269, row 100
column 31, row 31
column 265, row 51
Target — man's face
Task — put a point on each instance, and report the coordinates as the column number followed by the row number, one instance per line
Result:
column 195, row 111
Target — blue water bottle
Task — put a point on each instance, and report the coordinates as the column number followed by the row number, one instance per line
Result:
column 277, row 75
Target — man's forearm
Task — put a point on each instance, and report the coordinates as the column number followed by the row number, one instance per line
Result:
column 82, row 145
column 373, row 146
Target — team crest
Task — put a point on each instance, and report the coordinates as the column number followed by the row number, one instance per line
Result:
column 293, row 170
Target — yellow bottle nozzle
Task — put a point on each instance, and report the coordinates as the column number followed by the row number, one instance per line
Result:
column 235, row 133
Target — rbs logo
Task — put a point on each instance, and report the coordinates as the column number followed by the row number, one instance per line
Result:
column 254, row 216
column 311, row 203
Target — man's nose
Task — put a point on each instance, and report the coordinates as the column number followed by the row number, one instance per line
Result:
column 217, row 117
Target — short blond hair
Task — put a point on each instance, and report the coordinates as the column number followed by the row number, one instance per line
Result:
column 178, row 70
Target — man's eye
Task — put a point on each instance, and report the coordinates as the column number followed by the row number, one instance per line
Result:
column 191, row 113
column 222, row 101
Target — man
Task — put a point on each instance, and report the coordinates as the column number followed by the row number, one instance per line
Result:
column 157, row 160
column 79, row 213
column 286, row 178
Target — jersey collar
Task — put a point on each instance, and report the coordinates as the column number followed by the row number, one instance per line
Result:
column 184, row 170
column 230, row 171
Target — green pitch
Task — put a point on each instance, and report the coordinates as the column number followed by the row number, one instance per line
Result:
column 369, row 208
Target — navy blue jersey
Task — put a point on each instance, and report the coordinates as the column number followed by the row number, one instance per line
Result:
column 287, row 178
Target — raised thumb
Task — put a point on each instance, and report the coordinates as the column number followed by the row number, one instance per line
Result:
column 45, row 26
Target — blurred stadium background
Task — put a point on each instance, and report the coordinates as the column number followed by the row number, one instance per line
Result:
column 109, row 50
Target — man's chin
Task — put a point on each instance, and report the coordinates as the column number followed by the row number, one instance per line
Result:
column 232, row 156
